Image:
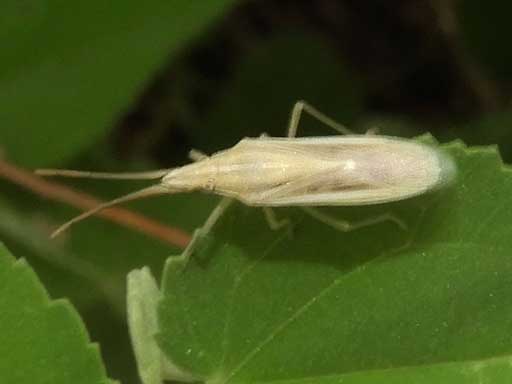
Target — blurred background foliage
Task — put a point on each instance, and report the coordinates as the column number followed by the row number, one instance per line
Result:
column 134, row 85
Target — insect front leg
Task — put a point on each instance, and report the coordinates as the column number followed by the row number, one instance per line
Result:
column 215, row 215
column 295, row 116
column 196, row 155
column 347, row 226
column 206, row 228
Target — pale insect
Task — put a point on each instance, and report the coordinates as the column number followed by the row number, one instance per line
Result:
column 306, row 172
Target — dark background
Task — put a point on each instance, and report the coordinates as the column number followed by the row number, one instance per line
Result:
column 405, row 66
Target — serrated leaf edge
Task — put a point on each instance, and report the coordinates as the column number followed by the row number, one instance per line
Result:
column 94, row 348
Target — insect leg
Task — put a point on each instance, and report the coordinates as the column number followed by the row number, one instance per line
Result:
column 346, row 226
column 372, row 131
column 300, row 106
column 196, row 155
column 273, row 222
column 216, row 214
column 199, row 233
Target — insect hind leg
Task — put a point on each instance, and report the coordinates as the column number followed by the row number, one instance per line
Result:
column 347, row 226
column 301, row 106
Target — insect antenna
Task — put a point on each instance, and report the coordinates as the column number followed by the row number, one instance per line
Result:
column 103, row 175
column 142, row 193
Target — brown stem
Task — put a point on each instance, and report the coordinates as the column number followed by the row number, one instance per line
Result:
column 81, row 200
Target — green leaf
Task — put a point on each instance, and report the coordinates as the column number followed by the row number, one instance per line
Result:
column 472, row 372
column 88, row 265
column 491, row 128
column 142, row 300
column 42, row 341
column 430, row 304
column 69, row 69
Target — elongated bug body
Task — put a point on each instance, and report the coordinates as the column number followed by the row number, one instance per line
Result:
column 306, row 172
column 317, row 171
